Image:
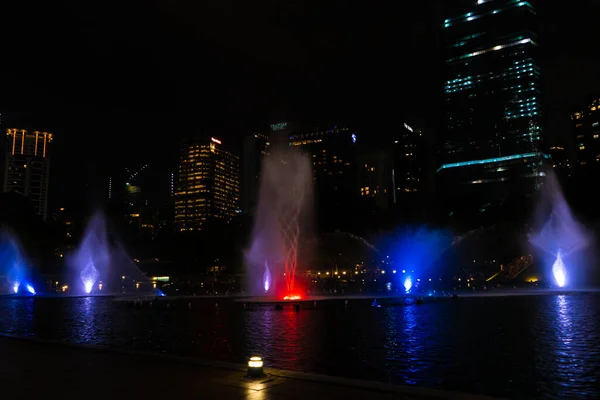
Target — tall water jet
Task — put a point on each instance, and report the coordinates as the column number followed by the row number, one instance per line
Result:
column 559, row 271
column 99, row 264
column 13, row 266
column 560, row 236
column 89, row 275
column 408, row 284
column 414, row 252
column 267, row 278
column 91, row 260
column 285, row 193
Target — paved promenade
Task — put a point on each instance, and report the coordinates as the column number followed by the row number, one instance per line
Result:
column 32, row 369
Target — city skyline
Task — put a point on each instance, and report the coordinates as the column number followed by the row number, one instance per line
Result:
column 291, row 198
column 284, row 86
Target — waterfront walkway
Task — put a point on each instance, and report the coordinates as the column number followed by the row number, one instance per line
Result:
column 37, row 369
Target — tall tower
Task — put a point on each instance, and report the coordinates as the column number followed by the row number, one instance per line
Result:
column 333, row 154
column 27, row 166
column 491, row 143
column 255, row 147
column 208, row 184
column 586, row 121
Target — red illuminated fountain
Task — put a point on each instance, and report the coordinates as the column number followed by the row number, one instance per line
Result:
column 290, row 233
column 285, row 193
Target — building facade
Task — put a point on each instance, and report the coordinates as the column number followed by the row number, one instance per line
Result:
column 27, row 166
column 397, row 177
column 586, row 129
column 207, row 186
column 333, row 155
column 255, row 147
column 410, row 155
column 375, row 178
column 491, row 143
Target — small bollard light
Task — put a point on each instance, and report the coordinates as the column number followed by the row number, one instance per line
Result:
column 255, row 367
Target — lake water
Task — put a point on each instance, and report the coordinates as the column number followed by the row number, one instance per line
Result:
column 543, row 346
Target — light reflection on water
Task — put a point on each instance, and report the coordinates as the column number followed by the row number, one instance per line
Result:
column 569, row 358
column 516, row 347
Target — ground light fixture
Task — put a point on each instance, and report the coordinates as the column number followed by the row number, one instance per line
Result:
column 255, row 367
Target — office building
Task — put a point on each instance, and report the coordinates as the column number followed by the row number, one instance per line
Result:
column 491, row 143
column 333, row 155
column 27, row 166
column 143, row 193
column 207, row 185
column 255, row 147
column 397, row 178
column 375, row 177
column 410, row 154
column 586, row 128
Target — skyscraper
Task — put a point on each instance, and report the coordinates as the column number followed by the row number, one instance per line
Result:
column 208, row 184
column 333, row 155
column 27, row 166
column 410, row 155
column 255, row 147
column 586, row 127
column 375, row 178
column 492, row 135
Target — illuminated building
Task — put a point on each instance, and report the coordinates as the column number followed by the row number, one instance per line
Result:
column 586, row 128
column 396, row 178
column 410, row 154
column 375, row 179
column 333, row 156
column 491, row 142
column 561, row 162
column 27, row 166
column 208, row 184
column 255, row 147
column 144, row 193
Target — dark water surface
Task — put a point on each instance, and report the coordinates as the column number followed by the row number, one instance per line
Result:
column 545, row 346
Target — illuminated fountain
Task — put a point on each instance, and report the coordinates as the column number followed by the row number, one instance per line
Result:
column 89, row 275
column 561, row 237
column 92, row 258
column 98, row 265
column 408, row 284
column 13, row 266
column 559, row 270
column 413, row 253
column 267, row 278
column 285, row 193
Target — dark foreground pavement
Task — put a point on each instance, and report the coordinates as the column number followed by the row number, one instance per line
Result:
column 31, row 369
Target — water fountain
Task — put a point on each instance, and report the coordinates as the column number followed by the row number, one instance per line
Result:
column 97, row 265
column 560, row 236
column 13, row 266
column 413, row 252
column 92, row 257
column 285, row 193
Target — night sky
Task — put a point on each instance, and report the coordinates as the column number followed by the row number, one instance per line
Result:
column 130, row 80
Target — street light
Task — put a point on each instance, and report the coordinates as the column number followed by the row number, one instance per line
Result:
column 255, row 367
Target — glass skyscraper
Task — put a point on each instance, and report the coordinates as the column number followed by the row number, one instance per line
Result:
column 491, row 143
